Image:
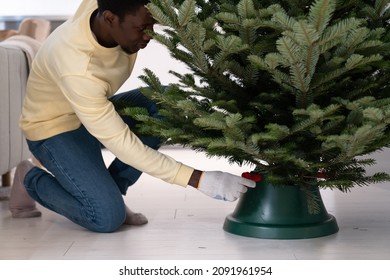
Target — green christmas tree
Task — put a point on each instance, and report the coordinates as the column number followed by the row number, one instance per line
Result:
column 300, row 89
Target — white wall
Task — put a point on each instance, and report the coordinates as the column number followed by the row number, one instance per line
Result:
column 38, row 7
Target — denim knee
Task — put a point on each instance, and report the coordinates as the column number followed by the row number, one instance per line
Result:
column 108, row 221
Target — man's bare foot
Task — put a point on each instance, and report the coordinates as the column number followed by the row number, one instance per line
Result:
column 135, row 219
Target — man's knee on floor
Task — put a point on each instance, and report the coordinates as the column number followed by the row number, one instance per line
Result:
column 109, row 221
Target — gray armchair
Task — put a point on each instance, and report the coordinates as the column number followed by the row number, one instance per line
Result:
column 17, row 49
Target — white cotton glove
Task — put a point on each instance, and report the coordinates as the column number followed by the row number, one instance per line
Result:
column 223, row 186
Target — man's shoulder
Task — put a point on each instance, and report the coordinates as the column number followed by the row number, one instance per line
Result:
column 86, row 6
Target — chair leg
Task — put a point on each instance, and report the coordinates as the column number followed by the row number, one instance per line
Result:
column 6, row 179
column 5, row 186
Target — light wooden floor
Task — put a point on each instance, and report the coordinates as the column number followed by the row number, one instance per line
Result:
column 185, row 224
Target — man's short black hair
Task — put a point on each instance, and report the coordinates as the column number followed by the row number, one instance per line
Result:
column 120, row 7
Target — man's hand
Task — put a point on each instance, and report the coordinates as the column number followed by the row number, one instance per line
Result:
column 223, row 186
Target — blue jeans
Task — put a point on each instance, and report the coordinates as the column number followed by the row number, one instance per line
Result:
column 78, row 185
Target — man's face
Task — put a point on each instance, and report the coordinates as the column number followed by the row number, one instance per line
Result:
column 130, row 33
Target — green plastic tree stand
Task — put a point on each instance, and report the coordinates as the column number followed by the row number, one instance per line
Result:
column 279, row 212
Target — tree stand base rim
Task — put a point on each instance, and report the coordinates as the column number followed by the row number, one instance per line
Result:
column 267, row 231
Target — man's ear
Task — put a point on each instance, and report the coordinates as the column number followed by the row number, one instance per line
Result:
column 110, row 18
